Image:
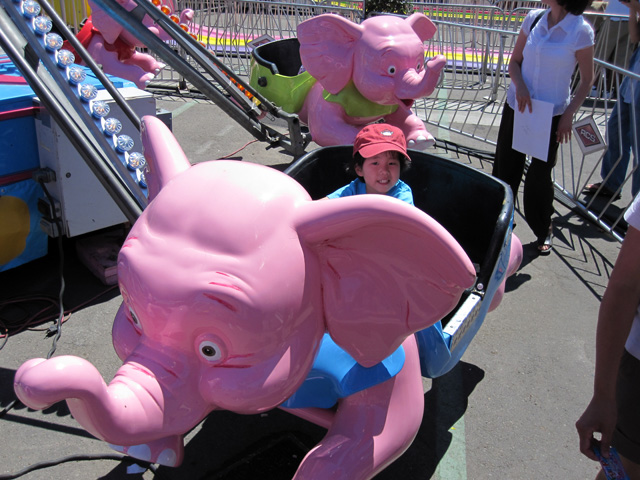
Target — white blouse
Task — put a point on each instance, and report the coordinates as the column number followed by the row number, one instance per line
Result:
column 549, row 58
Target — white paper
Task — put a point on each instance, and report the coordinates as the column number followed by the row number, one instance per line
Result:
column 531, row 130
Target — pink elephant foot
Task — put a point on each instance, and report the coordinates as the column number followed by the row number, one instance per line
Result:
column 168, row 451
column 145, row 80
column 421, row 141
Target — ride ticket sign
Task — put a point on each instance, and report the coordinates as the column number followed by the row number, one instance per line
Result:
column 588, row 136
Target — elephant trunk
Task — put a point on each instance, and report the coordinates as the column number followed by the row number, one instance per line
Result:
column 417, row 85
column 130, row 410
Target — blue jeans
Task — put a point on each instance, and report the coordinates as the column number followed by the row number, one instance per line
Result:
column 622, row 141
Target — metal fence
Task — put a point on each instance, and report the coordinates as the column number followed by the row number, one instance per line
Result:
column 466, row 107
column 469, row 101
column 228, row 27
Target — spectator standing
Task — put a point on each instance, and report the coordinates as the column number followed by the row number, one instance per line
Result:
column 612, row 42
column 622, row 137
column 541, row 67
column 614, row 409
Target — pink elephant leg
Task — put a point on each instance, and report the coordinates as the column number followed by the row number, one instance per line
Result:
column 145, row 62
column 168, row 451
column 113, row 66
column 515, row 259
column 371, row 428
column 414, row 129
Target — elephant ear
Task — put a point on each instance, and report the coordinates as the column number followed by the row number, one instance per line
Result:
column 422, row 25
column 388, row 270
column 327, row 45
column 165, row 158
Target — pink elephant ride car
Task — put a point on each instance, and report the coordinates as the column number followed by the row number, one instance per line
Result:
column 476, row 208
column 339, row 76
column 242, row 293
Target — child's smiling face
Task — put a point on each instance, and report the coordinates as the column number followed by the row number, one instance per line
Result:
column 380, row 172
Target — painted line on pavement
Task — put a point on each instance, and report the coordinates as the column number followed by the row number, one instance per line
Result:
column 181, row 109
column 453, row 465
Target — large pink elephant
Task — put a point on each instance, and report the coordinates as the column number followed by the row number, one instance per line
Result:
column 232, row 281
column 115, row 48
column 365, row 73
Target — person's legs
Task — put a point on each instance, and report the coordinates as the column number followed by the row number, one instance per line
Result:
column 616, row 158
column 538, row 189
column 622, row 49
column 626, row 437
column 509, row 163
column 634, row 141
column 612, row 46
column 635, row 176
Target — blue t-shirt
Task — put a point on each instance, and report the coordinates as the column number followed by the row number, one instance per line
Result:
column 400, row 190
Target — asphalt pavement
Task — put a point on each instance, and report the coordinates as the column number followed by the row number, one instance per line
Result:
column 506, row 411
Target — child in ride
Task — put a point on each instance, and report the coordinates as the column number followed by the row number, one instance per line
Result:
column 379, row 156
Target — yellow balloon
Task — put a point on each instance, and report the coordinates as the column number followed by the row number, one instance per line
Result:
column 14, row 227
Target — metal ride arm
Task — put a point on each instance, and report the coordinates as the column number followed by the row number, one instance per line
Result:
column 243, row 109
column 27, row 51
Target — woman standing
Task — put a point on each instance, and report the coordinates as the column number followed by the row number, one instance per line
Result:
column 550, row 44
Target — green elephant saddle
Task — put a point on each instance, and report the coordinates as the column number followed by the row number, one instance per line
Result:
column 278, row 74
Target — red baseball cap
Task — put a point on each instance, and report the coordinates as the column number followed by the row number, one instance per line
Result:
column 380, row 137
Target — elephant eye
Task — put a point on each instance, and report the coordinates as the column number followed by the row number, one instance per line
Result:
column 210, row 351
column 134, row 318
column 391, row 70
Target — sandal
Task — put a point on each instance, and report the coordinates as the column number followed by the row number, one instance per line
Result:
column 594, row 188
column 545, row 245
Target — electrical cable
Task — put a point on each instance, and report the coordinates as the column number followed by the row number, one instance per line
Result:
column 58, row 325
column 77, row 458
column 13, row 327
column 17, row 325
column 56, row 330
column 239, row 150
column 60, row 317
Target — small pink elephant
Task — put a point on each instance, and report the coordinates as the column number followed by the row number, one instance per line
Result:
column 365, row 73
column 233, row 280
column 113, row 47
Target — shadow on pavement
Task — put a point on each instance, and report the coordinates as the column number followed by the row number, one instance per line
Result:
column 231, row 446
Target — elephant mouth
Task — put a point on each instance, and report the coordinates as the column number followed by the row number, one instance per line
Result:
column 143, row 365
column 407, row 101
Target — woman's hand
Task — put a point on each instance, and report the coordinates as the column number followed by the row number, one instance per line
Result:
column 523, row 98
column 563, row 134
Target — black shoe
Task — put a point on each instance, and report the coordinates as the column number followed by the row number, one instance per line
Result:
column 545, row 245
column 594, row 188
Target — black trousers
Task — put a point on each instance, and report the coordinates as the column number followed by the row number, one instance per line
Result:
column 538, row 185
